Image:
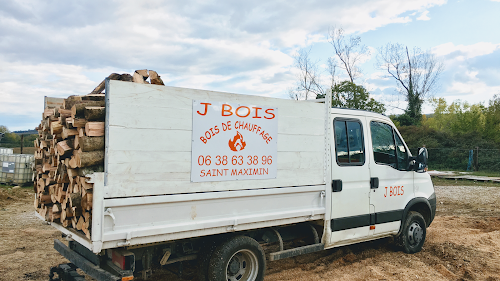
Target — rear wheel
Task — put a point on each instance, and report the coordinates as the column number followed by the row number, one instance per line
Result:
column 412, row 237
column 240, row 258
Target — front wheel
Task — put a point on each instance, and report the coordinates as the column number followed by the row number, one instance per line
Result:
column 412, row 237
column 240, row 258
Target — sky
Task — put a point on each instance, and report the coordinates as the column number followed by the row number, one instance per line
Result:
column 62, row 48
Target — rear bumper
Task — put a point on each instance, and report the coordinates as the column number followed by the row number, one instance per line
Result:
column 84, row 264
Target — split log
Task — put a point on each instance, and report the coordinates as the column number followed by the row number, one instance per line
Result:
column 64, row 147
column 91, row 158
column 75, row 200
column 79, row 123
column 56, row 127
column 94, row 97
column 91, row 143
column 138, row 78
column 155, row 78
column 95, row 113
column 80, row 223
column 112, row 76
column 56, row 208
column 87, row 202
column 65, row 223
column 54, row 217
column 66, row 133
column 143, row 72
column 47, row 112
column 72, row 172
column 78, row 110
column 64, row 112
column 70, row 101
column 94, row 129
column 73, row 162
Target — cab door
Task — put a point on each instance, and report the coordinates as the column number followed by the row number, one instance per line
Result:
column 391, row 180
column 351, row 181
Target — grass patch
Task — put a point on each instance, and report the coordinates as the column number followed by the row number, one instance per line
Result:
column 451, row 182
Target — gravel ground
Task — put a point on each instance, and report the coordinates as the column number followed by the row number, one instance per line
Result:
column 463, row 243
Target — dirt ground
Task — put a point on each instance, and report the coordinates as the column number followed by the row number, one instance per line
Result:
column 463, row 243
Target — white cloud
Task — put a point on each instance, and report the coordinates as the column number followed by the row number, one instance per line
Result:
column 463, row 52
column 242, row 47
column 424, row 16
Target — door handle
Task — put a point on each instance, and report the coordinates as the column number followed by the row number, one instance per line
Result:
column 373, row 183
column 336, row 185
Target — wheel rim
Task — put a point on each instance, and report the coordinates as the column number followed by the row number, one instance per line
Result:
column 415, row 234
column 242, row 266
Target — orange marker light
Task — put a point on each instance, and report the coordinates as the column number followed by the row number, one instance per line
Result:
column 372, row 227
column 128, row 278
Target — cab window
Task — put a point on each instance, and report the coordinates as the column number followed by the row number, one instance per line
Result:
column 388, row 148
column 349, row 142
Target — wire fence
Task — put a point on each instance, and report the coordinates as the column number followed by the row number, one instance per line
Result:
column 459, row 159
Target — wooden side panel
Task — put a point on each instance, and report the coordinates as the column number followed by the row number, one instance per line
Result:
column 149, row 141
column 53, row 102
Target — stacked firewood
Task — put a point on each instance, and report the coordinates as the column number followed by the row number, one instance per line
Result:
column 70, row 148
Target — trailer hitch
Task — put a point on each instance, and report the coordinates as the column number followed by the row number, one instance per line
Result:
column 65, row 272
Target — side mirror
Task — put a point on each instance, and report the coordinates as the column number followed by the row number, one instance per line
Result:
column 421, row 161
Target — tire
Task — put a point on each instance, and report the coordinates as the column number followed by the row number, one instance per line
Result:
column 412, row 237
column 240, row 258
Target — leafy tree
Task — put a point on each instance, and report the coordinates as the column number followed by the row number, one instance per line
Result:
column 349, row 95
column 3, row 129
column 492, row 120
column 458, row 118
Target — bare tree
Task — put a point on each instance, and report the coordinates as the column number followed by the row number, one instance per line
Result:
column 416, row 73
column 332, row 69
column 308, row 80
column 348, row 50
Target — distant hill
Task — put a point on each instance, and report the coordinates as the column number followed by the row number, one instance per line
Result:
column 27, row 132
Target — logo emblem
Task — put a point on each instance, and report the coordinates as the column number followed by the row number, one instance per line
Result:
column 237, row 143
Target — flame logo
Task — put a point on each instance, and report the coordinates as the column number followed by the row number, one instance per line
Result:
column 237, row 143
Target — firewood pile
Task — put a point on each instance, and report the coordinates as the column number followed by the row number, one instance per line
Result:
column 70, row 147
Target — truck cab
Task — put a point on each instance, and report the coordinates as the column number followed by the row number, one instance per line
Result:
column 375, row 181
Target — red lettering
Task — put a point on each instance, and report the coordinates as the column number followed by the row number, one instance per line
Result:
column 257, row 112
column 403, row 192
column 224, row 110
column 209, row 136
column 248, row 113
column 270, row 113
column 203, row 139
column 206, row 108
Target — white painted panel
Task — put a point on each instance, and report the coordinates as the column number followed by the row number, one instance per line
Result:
column 154, row 184
column 179, row 162
column 160, row 117
column 149, row 134
column 194, row 212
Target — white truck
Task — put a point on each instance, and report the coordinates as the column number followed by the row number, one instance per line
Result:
column 211, row 176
